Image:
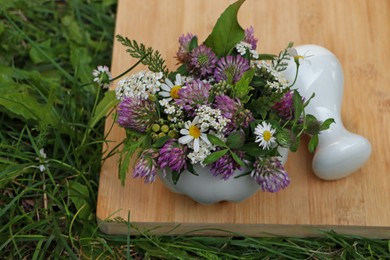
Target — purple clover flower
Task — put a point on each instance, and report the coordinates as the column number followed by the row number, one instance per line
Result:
column 203, row 61
column 233, row 110
column 146, row 166
column 173, row 155
column 284, row 108
column 225, row 166
column 193, row 95
column 270, row 174
column 231, row 68
column 250, row 37
column 183, row 54
column 136, row 114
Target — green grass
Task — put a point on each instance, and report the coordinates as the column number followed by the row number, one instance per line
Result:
column 48, row 50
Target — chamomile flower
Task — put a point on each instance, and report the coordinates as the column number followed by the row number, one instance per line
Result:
column 102, row 76
column 193, row 134
column 265, row 135
column 169, row 90
column 298, row 58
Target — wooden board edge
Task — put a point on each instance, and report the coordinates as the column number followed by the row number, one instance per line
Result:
column 254, row 230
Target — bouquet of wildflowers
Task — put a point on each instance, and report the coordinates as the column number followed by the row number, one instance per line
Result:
column 226, row 107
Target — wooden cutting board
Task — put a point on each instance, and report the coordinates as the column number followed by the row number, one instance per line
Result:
column 358, row 32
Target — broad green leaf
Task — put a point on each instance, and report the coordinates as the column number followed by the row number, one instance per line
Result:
column 241, row 89
column 175, row 177
column 72, row 30
column 81, row 59
column 79, row 194
column 298, row 105
column 313, row 143
column 266, row 56
column 216, row 141
column 254, row 150
column 161, row 141
column 129, row 153
column 193, row 43
column 237, row 159
column 326, row 124
column 258, row 82
column 27, row 107
column 236, row 140
column 227, row 32
column 37, row 57
column 214, row 156
column 108, row 102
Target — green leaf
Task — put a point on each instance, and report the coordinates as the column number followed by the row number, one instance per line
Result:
column 326, row 124
column 236, row 140
column 237, row 159
column 124, row 164
column 227, row 32
column 266, row 56
column 37, row 57
column 298, row 105
column 108, row 102
column 27, row 107
column 313, row 143
column 79, row 194
column 241, row 89
column 81, row 59
column 193, row 43
column 254, row 150
column 216, row 141
column 161, row 141
column 11, row 172
column 214, row 156
column 258, row 82
column 175, row 177
column 308, row 101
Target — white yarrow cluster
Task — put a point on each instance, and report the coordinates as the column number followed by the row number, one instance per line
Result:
column 139, row 85
column 172, row 109
column 201, row 154
column 244, row 47
column 279, row 83
column 211, row 118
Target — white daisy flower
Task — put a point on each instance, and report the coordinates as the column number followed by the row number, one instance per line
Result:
column 265, row 135
column 102, row 76
column 171, row 91
column 300, row 59
column 193, row 134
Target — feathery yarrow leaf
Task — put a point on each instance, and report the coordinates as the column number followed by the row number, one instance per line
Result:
column 153, row 60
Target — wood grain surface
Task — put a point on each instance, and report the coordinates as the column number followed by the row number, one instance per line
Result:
column 358, row 33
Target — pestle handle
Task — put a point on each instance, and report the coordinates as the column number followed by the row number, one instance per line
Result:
column 339, row 152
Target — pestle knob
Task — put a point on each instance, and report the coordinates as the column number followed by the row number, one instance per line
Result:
column 339, row 152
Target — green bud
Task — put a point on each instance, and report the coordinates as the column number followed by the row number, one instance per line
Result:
column 156, row 128
column 164, row 128
column 284, row 138
column 172, row 133
column 161, row 134
column 154, row 136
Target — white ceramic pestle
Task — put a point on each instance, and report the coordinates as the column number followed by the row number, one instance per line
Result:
column 339, row 152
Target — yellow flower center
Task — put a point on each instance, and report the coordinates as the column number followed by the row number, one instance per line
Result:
column 175, row 92
column 267, row 135
column 296, row 58
column 194, row 131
